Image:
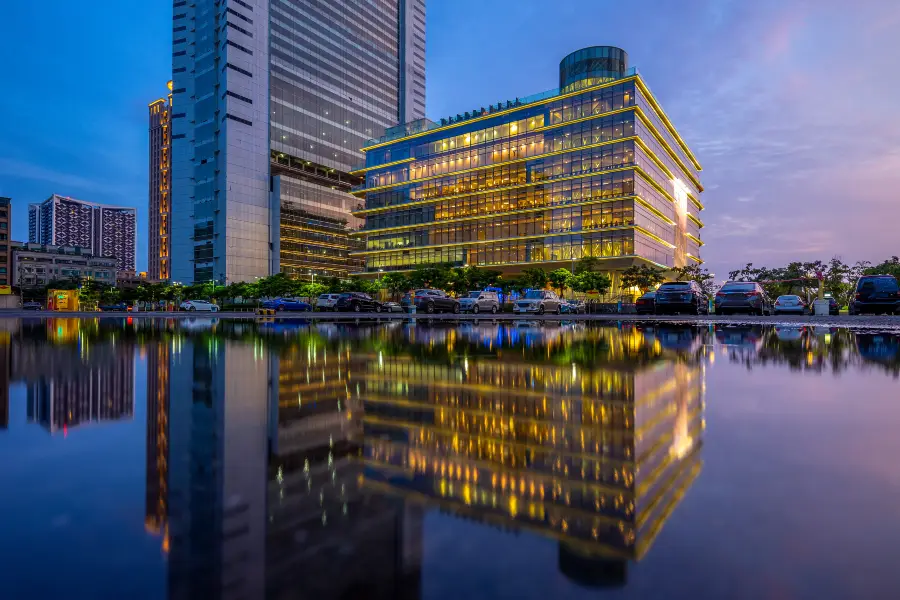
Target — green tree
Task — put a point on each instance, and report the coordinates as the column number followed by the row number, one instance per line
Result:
column 587, row 263
column 889, row 267
column 642, row 277
column 395, row 283
column 430, row 276
column 510, row 284
column 533, row 278
column 591, row 281
column 560, row 279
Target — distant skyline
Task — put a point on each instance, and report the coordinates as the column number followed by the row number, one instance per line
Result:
column 790, row 106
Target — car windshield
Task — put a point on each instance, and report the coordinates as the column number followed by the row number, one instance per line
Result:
column 344, row 296
column 739, row 287
column 792, row 298
column 474, row 294
column 534, row 295
column 649, row 295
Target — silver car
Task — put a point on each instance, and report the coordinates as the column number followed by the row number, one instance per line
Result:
column 539, row 302
column 326, row 302
column 477, row 302
column 790, row 304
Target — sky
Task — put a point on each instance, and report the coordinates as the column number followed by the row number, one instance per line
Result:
column 791, row 106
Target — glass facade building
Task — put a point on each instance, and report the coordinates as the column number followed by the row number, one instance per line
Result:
column 279, row 95
column 594, row 168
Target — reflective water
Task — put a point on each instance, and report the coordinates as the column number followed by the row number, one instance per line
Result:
column 234, row 459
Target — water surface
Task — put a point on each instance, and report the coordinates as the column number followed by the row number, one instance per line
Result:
column 205, row 458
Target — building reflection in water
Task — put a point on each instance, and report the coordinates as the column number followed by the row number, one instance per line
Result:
column 590, row 436
column 70, row 380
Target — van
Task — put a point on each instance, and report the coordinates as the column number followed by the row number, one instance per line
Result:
column 477, row 302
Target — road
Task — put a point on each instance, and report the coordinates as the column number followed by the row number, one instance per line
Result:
column 855, row 322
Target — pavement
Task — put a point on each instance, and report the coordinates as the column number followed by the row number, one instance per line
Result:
column 848, row 321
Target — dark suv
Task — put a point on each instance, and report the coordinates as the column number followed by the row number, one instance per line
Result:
column 356, row 302
column 742, row 296
column 877, row 294
column 680, row 297
column 431, row 301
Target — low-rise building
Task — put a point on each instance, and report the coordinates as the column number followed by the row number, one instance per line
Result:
column 130, row 280
column 35, row 265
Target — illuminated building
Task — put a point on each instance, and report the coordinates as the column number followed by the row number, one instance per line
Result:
column 158, row 398
column 5, row 228
column 594, row 168
column 159, row 227
column 102, row 229
column 596, row 454
column 354, row 545
column 5, row 341
column 273, row 99
column 66, row 388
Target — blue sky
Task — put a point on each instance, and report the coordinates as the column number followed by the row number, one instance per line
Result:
column 789, row 105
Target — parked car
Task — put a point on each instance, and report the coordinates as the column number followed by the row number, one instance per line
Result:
column 742, row 296
column 291, row 304
column 32, row 306
column 876, row 294
column 646, row 304
column 572, row 307
column 790, row 304
column 680, row 297
column 327, row 301
column 431, row 301
column 477, row 302
column 538, row 301
column 391, row 307
column 357, row 302
column 117, row 307
column 833, row 307
column 199, row 306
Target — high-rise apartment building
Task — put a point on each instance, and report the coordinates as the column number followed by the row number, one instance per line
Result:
column 594, row 168
column 101, row 229
column 5, row 229
column 159, row 225
column 272, row 100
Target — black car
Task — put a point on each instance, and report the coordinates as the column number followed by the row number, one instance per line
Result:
column 680, row 297
column 646, row 304
column 743, row 296
column 32, row 306
column 876, row 294
column 356, row 302
column 118, row 307
column 431, row 301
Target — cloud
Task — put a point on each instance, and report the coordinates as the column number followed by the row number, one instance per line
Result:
column 63, row 181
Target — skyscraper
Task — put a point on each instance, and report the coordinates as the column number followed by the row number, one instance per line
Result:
column 104, row 230
column 159, row 225
column 274, row 98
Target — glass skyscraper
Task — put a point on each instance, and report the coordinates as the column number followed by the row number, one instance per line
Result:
column 273, row 99
column 593, row 168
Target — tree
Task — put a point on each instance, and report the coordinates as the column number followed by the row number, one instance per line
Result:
column 888, row 267
column 590, row 281
column 533, row 278
column 395, row 283
column 560, row 279
column 430, row 276
column 696, row 273
column 510, row 284
column 642, row 277
column 587, row 263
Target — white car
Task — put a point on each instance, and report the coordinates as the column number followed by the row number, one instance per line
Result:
column 327, row 301
column 538, row 301
column 199, row 306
